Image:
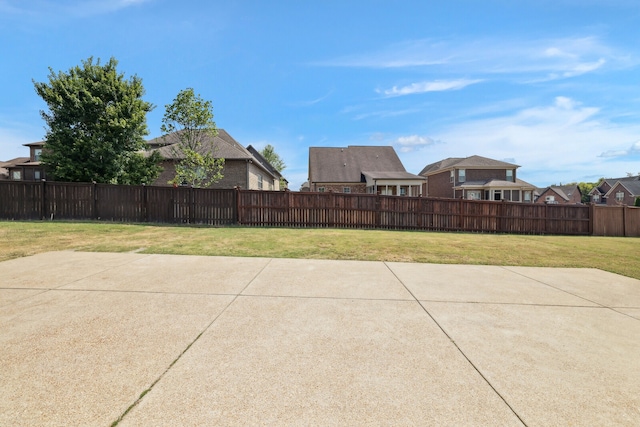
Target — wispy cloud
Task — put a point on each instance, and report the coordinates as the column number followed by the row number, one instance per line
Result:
column 313, row 101
column 99, row 7
column 631, row 151
column 74, row 8
column 544, row 58
column 429, row 86
column 384, row 113
column 414, row 53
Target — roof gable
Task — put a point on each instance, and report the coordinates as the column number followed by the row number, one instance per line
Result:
column 472, row 162
column 346, row 164
column 564, row 191
column 222, row 145
column 632, row 187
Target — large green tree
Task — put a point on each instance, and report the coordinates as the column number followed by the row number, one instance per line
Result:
column 96, row 124
column 269, row 153
column 188, row 125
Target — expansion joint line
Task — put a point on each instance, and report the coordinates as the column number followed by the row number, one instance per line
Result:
column 457, row 346
column 144, row 393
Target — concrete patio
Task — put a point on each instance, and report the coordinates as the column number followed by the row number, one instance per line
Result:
column 131, row 339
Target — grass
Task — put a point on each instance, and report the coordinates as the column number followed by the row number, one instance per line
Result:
column 618, row 255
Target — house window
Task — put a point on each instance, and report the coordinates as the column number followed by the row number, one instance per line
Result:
column 346, row 189
column 321, row 189
column 510, row 175
column 260, row 184
column 473, row 194
column 620, row 196
column 403, row 191
column 550, row 199
column 452, row 176
column 462, row 175
column 506, row 194
column 16, row 175
column 497, row 195
column 527, row 196
column 37, row 153
column 595, row 198
column 36, row 175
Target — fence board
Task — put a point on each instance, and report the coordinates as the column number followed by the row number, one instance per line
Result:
column 66, row 200
column 339, row 210
column 21, row 201
column 122, row 203
column 621, row 221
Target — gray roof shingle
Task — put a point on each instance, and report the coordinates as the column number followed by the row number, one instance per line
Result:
column 466, row 162
column 223, row 145
column 346, row 164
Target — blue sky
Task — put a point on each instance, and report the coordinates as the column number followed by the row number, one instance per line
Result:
column 553, row 86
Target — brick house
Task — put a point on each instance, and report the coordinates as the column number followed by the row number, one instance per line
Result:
column 361, row 169
column 616, row 191
column 560, row 194
column 242, row 167
column 25, row 168
column 476, row 178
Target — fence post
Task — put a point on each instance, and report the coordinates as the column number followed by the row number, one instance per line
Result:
column 94, row 195
column 592, row 211
column 287, row 199
column 43, row 200
column 546, row 216
column 332, row 208
column 192, row 201
column 460, row 207
column 624, row 221
column 238, row 206
column 145, row 203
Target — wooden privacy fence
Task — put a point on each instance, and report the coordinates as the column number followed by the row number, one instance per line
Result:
column 616, row 221
column 79, row 201
column 287, row 209
column 122, row 203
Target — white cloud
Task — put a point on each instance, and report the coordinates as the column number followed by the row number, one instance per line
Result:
column 583, row 68
column 559, row 142
column 631, row 151
column 429, row 86
column 614, row 153
column 536, row 60
column 410, row 143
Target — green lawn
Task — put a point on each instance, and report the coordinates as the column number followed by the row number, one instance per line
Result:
column 618, row 255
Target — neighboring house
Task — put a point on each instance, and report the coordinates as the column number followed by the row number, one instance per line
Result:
column 265, row 163
column 476, row 178
column 616, row 191
column 560, row 194
column 4, row 171
column 361, row 169
column 25, row 168
column 242, row 169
